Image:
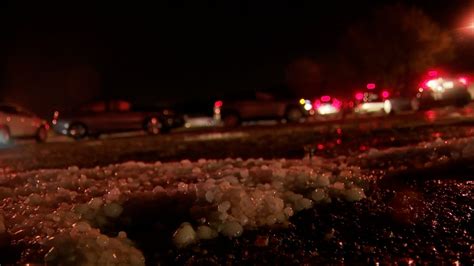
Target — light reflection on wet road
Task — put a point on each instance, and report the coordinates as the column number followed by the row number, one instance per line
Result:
column 327, row 138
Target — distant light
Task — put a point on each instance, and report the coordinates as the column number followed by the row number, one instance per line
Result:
column 371, row 86
column 359, row 96
column 432, row 83
column 336, row 103
column 385, row 94
column 387, row 106
column 432, row 73
column 327, row 109
column 420, row 89
column 302, row 101
column 448, row 85
column 317, row 103
column 463, row 80
column 218, row 104
column 308, row 106
column 325, row 98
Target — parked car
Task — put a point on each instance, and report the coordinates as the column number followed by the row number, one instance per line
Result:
column 17, row 122
column 440, row 91
column 332, row 107
column 372, row 101
column 114, row 116
column 258, row 105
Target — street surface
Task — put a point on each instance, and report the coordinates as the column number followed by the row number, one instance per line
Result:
column 373, row 189
column 253, row 141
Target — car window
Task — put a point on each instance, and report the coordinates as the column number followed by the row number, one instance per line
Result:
column 119, row 106
column 8, row 109
column 23, row 112
column 97, row 107
column 264, row 96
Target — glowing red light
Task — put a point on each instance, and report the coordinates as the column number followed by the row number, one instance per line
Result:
column 325, row 98
column 338, row 141
column 371, row 86
column 463, row 80
column 218, row 104
column 385, row 94
column 432, row 73
column 336, row 103
column 359, row 96
column 430, row 116
column 320, row 147
column 317, row 103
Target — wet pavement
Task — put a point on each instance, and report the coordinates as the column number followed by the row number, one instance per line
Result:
column 423, row 215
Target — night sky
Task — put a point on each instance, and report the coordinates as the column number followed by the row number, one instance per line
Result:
column 177, row 50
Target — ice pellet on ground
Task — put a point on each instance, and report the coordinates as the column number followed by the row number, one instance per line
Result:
column 66, row 209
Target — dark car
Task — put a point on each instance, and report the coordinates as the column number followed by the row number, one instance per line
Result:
column 439, row 92
column 114, row 116
column 258, row 105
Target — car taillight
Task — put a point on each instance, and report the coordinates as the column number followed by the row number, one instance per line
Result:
column 218, row 104
column 317, row 103
column 359, row 96
column 371, row 86
column 336, row 103
column 385, row 94
column 55, row 117
column 325, row 98
column 463, row 80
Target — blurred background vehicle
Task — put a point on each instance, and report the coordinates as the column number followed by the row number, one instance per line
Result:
column 259, row 105
column 327, row 106
column 16, row 122
column 440, row 92
column 372, row 100
column 196, row 113
column 114, row 116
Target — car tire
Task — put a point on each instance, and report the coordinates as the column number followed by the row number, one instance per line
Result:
column 5, row 136
column 293, row 114
column 153, row 126
column 77, row 131
column 41, row 134
column 231, row 120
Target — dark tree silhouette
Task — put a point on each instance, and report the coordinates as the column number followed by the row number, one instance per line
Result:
column 393, row 47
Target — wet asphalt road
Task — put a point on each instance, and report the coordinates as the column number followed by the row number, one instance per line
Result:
column 405, row 220
column 323, row 138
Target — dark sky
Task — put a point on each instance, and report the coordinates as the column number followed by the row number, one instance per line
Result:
column 170, row 50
